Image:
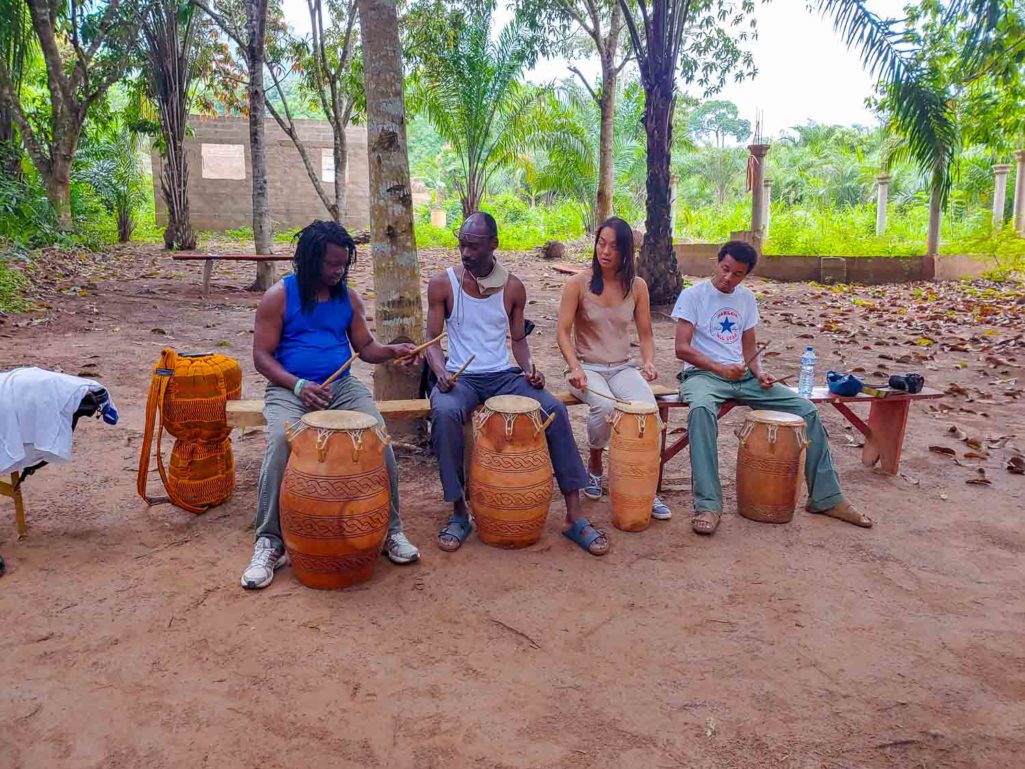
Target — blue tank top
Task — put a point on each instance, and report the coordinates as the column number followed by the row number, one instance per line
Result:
column 314, row 345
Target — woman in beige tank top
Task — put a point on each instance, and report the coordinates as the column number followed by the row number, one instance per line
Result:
column 598, row 310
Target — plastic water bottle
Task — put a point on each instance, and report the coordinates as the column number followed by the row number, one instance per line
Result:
column 806, row 380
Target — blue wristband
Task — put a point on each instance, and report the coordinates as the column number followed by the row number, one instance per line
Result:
column 298, row 387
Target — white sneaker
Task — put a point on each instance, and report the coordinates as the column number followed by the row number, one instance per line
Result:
column 400, row 549
column 266, row 559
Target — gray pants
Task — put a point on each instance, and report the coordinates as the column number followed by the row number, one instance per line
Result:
column 616, row 380
column 449, row 412
column 281, row 405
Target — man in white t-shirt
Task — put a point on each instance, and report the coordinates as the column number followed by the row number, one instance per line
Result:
column 715, row 334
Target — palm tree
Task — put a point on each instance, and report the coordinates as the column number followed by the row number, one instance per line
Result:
column 920, row 109
column 470, row 91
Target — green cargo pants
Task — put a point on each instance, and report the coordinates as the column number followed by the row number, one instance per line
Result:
column 704, row 392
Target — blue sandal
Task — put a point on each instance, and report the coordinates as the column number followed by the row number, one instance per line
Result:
column 458, row 528
column 575, row 533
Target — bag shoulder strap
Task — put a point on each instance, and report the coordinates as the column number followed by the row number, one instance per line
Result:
column 162, row 374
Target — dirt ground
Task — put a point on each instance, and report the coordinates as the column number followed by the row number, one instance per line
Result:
column 128, row 642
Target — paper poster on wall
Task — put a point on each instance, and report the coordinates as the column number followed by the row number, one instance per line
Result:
column 224, row 161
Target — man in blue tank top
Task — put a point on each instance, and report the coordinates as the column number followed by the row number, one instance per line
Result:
column 480, row 304
column 307, row 326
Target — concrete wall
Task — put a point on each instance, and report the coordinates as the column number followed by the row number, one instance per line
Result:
column 698, row 259
column 222, row 204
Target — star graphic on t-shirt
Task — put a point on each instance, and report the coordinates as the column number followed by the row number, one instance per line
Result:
column 727, row 325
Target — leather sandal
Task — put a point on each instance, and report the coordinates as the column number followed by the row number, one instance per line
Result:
column 705, row 521
column 846, row 512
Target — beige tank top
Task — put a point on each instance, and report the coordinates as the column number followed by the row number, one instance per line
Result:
column 602, row 334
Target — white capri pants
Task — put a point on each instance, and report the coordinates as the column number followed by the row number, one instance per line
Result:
column 619, row 380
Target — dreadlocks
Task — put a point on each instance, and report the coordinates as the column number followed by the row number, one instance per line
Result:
column 311, row 245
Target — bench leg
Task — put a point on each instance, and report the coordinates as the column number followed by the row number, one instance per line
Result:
column 887, row 421
column 8, row 490
column 663, row 413
column 208, row 268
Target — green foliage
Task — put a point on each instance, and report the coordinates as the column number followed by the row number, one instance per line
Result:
column 12, row 285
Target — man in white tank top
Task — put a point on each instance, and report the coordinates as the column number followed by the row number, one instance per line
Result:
column 480, row 303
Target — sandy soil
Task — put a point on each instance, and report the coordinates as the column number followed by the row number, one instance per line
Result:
column 128, row 642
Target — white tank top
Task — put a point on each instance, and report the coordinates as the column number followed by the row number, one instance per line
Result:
column 477, row 327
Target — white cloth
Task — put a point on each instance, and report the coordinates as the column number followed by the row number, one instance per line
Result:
column 719, row 319
column 36, row 407
column 477, row 327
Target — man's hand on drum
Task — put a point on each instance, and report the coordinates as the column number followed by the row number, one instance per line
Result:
column 648, row 372
column 404, row 353
column 766, row 380
column 535, row 378
column 577, row 378
column 315, row 396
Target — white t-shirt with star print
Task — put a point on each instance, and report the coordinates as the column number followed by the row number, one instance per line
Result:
column 719, row 319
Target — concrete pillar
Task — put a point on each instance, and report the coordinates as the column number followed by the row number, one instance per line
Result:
column 755, row 180
column 1000, row 172
column 882, row 199
column 767, row 205
column 1019, row 192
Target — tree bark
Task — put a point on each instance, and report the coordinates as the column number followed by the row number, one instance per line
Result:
column 398, row 311
column 932, row 243
column 341, row 153
column 657, row 263
column 606, row 157
column 256, row 28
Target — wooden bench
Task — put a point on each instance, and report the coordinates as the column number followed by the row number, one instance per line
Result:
column 13, row 490
column 209, row 259
column 884, row 431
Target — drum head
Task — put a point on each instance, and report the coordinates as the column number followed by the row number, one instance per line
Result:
column 512, row 404
column 339, row 420
column 775, row 418
column 636, row 407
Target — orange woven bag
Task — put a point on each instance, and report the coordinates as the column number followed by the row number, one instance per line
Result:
column 190, row 392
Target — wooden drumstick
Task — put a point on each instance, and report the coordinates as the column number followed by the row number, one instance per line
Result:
column 609, row 397
column 455, row 376
column 420, row 348
column 339, row 372
column 756, row 353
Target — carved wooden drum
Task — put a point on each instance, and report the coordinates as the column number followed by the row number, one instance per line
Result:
column 335, row 498
column 510, row 471
column 770, row 464
column 634, row 452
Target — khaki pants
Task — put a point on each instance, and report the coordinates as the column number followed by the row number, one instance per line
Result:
column 619, row 380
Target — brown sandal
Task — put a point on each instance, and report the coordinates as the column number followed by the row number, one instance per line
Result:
column 705, row 522
column 846, row 512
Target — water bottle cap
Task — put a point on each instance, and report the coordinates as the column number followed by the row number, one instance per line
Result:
column 808, row 348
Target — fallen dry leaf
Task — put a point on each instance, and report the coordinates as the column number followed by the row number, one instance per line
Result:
column 1016, row 465
column 980, row 479
column 957, row 432
column 943, row 450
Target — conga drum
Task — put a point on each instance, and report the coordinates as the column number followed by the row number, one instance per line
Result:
column 335, row 498
column 510, row 471
column 770, row 463
column 634, row 453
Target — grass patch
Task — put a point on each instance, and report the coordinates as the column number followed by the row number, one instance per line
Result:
column 12, row 287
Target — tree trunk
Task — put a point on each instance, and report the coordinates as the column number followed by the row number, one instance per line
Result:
column 398, row 311
column 256, row 27
column 341, row 151
column 10, row 150
column 657, row 263
column 932, row 243
column 58, row 191
column 606, row 158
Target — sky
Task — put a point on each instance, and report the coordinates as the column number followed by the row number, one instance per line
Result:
column 805, row 73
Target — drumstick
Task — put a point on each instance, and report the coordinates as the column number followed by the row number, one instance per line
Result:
column 455, row 376
column 611, row 398
column 756, row 353
column 339, row 372
column 421, row 347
